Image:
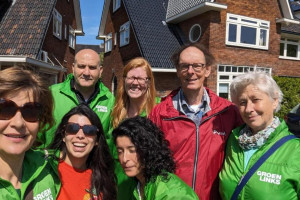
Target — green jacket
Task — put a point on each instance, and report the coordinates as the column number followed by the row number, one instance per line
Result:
column 65, row 99
column 41, row 173
column 173, row 188
column 277, row 178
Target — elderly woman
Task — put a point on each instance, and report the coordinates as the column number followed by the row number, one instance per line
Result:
column 25, row 108
column 258, row 96
column 144, row 154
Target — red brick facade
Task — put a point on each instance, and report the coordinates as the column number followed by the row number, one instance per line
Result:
column 59, row 48
column 213, row 25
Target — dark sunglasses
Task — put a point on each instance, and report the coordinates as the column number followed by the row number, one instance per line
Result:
column 88, row 130
column 30, row 111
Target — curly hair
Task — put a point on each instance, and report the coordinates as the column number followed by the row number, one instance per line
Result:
column 122, row 99
column 99, row 160
column 151, row 146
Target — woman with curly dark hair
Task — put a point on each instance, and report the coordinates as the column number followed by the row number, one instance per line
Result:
column 85, row 163
column 144, row 154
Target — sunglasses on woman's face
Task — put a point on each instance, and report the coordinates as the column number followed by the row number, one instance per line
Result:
column 30, row 111
column 88, row 130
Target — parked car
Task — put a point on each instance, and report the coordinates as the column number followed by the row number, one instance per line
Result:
column 293, row 120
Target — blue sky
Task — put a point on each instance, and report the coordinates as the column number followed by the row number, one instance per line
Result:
column 91, row 11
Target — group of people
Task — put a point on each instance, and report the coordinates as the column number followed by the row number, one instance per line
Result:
column 75, row 141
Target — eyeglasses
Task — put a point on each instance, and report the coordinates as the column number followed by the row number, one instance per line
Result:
column 184, row 67
column 73, row 128
column 140, row 80
column 30, row 111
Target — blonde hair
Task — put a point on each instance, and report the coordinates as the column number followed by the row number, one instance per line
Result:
column 119, row 112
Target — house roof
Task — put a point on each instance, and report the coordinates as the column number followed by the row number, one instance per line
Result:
column 295, row 6
column 24, row 26
column 154, row 37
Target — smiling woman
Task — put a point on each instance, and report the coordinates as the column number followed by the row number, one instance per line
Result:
column 136, row 91
column 25, row 108
column 85, row 164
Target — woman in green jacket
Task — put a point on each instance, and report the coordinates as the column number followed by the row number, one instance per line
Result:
column 258, row 97
column 144, row 154
column 25, row 108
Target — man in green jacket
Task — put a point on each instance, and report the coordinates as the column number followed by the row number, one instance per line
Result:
column 83, row 86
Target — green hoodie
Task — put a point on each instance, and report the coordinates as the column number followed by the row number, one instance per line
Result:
column 277, row 178
column 170, row 189
column 40, row 172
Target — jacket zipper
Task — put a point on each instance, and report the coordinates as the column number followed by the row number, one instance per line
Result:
column 197, row 140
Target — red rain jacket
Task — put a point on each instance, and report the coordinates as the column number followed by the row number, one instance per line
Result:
column 198, row 151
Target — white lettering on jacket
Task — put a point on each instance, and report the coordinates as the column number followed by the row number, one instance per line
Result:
column 219, row 133
column 101, row 108
column 269, row 177
column 45, row 195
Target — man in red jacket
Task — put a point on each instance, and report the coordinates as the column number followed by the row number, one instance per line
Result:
column 196, row 122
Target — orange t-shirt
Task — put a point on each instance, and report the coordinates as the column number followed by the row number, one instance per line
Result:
column 75, row 184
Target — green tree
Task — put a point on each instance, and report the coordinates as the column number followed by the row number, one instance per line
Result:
column 290, row 88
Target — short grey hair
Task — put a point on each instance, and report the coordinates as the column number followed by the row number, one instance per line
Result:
column 263, row 81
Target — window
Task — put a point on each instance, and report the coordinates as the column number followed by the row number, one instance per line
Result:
column 116, row 5
column 226, row 73
column 57, row 24
column 108, row 42
column 195, row 33
column 247, row 32
column 71, row 37
column 124, row 34
column 289, row 49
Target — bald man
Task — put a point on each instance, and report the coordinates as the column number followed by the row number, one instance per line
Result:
column 82, row 86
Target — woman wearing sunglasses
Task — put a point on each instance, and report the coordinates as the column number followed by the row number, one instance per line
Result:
column 25, row 108
column 85, row 164
column 144, row 154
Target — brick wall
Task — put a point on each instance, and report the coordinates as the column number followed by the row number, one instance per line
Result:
column 60, row 48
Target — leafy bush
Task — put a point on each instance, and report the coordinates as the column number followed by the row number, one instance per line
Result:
column 290, row 88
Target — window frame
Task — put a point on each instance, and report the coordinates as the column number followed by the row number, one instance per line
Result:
column 125, row 28
column 116, row 5
column 72, row 37
column 247, row 22
column 57, row 24
column 230, row 73
column 285, row 42
column 108, row 42
column 190, row 33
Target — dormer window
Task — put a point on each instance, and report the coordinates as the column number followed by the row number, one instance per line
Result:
column 57, row 24
column 116, row 5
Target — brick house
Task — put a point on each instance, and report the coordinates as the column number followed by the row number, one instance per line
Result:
column 40, row 35
column 240, row 34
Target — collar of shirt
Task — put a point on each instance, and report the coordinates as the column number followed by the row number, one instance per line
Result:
column 180, row 104
column 80, row 97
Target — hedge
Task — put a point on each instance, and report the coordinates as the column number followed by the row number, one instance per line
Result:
column 290, row 88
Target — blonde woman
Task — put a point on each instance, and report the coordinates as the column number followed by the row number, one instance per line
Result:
column 136, row 92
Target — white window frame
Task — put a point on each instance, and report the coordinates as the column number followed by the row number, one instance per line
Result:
column 116, row 39
column 125, row 34
column 243, row 21
column 72, row 37
column 285, row 41
column 231, row 74
column 108, row 42
column 116, row 5
column 57, row 24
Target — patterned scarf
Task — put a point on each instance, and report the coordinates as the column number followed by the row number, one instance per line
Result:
column 249, row 141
